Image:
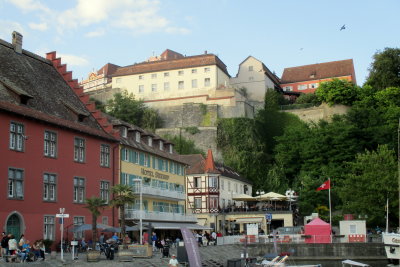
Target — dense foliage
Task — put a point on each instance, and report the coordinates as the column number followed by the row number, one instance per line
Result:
column 125, row 107
column 337, row 92
column 357, row 151
column 385, row 69
column 183, row 146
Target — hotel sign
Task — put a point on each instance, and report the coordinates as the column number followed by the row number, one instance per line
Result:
column 154, row 174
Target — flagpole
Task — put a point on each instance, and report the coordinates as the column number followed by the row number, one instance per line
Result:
column 330, row 206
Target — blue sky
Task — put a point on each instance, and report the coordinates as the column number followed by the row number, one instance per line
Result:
column 285, row 33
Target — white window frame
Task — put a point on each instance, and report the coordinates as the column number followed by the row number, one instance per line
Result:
column 79, row 149
column 104, row 155
column 17, row 136
column 50, row 144
column 161, row 145
column 194, row 83
column 207, row 82
column 166, row 74
column 15, row 183
column 166, row 86
column 137, row 136
column 154, row 75
column 194, row 71
column 105, row 191
column 150, row 141
column 251, row 68
column 49, row 187
column 181, row 72
column 302, row 87
column 154, row 87
column 141, row 77
column 79, row 220
column 207, row 69
column 198, row 203
column 141, row 88
column 181, row 85
column 79, row 190
column 49, row 227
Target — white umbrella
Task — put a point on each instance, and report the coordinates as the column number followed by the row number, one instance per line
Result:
column 272, row 196
column 85, row 227
column 243, row 197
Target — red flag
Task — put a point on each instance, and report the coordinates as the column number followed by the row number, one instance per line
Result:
column 326, row 185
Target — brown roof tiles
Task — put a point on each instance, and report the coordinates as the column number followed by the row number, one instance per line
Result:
column 165, row 65
column 319, row 71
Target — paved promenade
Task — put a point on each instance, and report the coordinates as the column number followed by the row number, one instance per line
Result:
column 211, row 256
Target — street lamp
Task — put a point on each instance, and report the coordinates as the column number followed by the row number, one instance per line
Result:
column 141, row 209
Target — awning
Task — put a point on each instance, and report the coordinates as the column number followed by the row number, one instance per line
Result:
column 249, row 220
column 177, row 226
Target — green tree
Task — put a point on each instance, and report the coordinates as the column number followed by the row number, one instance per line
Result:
column 95, row 205
column 123, row 195
column 308, row 98
column 125, row 107
column 183, row 146
column 370, row 179
column 337, row 91
column 385, row 69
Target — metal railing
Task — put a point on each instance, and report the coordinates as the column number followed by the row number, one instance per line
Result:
column 300, row 239
column 159, row 216
column 159, row 192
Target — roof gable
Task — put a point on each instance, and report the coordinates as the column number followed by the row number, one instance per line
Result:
column 49, row 89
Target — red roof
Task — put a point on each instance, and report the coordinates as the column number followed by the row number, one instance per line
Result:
column 319, row 71
column 172, row 64
column 210, row 165
column 108, row 69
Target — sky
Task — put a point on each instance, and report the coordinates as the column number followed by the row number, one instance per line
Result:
column 87, row 34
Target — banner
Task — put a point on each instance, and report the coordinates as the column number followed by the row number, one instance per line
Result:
column 192, row 248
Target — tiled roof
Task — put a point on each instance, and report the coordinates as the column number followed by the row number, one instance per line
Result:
column 197, row 165
column 165, row 65
column 143, row 146
column 108, row 69
column 318, row 71
column 51, row 98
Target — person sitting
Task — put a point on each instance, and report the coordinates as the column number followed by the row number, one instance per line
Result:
column 23, row 253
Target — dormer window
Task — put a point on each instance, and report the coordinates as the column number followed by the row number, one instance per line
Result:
column 161, row 145
column 171, row 148
column 124, row 132
column 137, row 137
column 150, row 141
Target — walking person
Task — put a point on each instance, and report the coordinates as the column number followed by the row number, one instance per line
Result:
column 154, row 240
column 214, row 237
column 12, row 246
column 4, row 244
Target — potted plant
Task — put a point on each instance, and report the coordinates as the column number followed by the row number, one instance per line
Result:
column 95, row 205
column 123, row 194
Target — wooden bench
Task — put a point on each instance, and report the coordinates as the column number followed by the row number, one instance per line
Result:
column 12, row 258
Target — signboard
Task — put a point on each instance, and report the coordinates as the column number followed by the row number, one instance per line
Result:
column 268, row 217
column 192, row 249
column 62, row 215
column 252, row 229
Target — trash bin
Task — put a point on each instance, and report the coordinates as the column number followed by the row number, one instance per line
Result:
column 234, row 263
column 181, row 254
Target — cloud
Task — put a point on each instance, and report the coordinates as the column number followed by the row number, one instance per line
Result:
column 7, row 27
column 38, row 26
column 30, row 5
column 95, row 33
column 137, row 16
column 176, row 30
column 73, row 60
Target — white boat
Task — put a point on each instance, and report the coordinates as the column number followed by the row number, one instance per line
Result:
column 392, row 245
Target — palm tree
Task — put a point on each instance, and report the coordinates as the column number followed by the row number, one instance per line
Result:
column 95, row 205
column 123, row 194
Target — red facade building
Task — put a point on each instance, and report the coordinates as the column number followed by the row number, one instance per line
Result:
column 55, row 148
column 307, row 78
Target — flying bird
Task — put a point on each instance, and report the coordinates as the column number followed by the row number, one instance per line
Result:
column 343, row 27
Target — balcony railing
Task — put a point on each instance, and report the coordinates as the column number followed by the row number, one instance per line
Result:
column 159, row 192
column 131, row 214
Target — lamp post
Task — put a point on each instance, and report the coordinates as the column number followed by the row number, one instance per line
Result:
column 141, row 210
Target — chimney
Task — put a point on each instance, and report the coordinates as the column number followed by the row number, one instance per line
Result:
column 17, row 42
